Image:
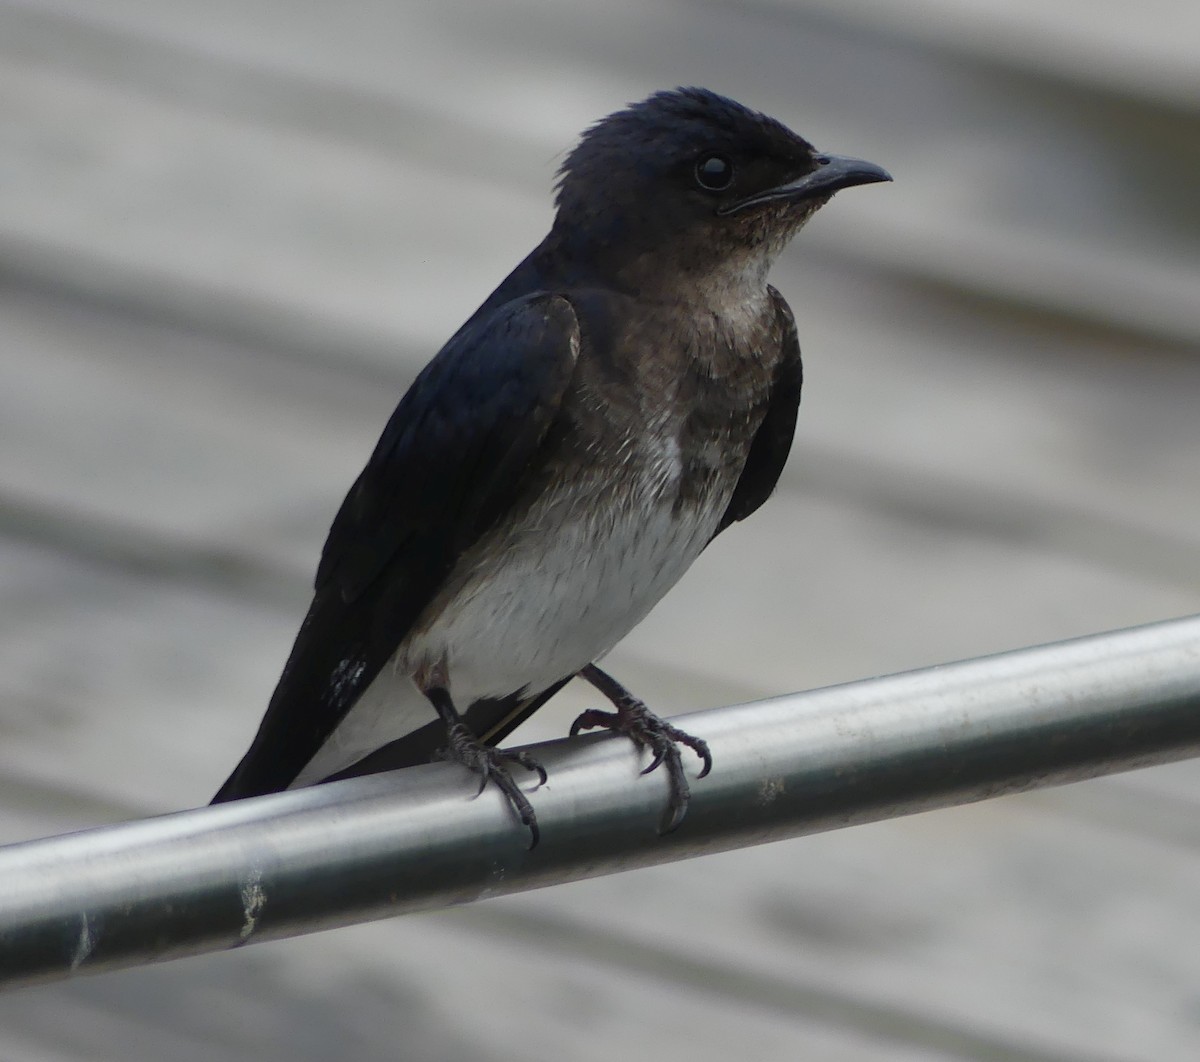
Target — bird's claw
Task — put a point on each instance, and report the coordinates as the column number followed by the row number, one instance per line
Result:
column 592, row 719
column 647, row 731
column 494, row 765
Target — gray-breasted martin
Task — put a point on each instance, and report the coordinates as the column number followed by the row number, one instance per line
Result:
column 627, row 393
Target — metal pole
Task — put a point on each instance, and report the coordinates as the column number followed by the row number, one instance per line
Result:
column 373, row 847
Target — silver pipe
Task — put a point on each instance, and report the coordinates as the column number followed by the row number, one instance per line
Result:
column 373, row 847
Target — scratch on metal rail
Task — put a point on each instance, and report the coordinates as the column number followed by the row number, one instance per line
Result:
column 254, row 899
column 770, row 790
column 86, row 943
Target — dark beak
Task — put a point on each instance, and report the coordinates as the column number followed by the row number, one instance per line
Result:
column 832, row 174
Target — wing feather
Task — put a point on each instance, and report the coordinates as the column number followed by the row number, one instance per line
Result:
column 448, row 464
column 773, row 441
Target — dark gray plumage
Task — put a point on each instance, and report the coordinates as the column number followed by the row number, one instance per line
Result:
column 627, row 393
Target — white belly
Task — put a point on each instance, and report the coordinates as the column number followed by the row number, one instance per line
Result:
column 560, row 601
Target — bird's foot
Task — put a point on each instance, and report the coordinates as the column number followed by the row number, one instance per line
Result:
column 647, row 731
column 495, row 766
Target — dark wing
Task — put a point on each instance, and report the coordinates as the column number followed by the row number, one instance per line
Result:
column 773, row 440
column 448, row 464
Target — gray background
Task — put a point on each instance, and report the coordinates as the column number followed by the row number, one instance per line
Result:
column 231, row 232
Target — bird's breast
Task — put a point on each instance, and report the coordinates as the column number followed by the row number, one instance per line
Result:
column 631, row 486
column 584, row 564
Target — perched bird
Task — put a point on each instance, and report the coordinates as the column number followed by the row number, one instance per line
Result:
column 627, row 393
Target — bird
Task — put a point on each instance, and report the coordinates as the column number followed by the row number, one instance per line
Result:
column 624, row 396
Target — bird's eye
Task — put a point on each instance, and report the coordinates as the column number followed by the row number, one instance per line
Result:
column 714, row 173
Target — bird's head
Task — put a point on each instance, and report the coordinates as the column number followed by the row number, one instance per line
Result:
column 688, row 183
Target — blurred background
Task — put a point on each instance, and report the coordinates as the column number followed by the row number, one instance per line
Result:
column 231, row 232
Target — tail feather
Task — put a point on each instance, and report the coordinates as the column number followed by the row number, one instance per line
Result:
column 333, row 661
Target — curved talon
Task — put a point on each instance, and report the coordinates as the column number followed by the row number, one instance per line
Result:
column 656, row 762
column 519, row 804
column 593, row 718
column 700, row 748
column 676, row 817
column 677, row 803
column 530, row 764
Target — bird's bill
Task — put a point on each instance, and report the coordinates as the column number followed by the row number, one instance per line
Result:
column 832, row 174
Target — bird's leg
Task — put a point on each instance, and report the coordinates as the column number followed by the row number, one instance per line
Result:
column 491, row 764
column 648, row 731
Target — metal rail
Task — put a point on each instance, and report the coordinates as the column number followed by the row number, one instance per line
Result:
column 373, row 847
